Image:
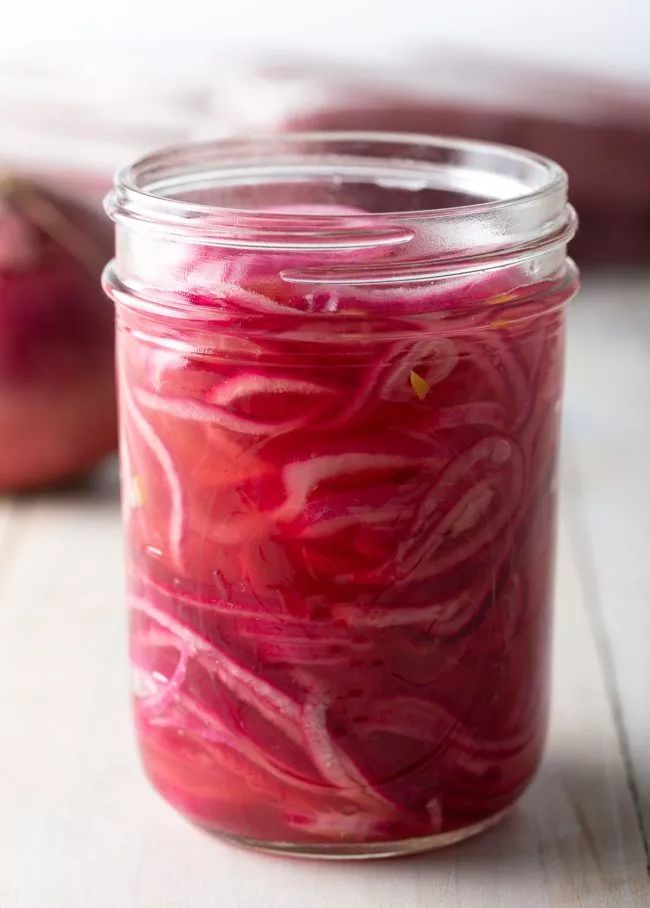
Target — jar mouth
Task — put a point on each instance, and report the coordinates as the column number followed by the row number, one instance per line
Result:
column 218, row 191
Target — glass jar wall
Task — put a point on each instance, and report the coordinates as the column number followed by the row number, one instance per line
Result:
column 340, row 374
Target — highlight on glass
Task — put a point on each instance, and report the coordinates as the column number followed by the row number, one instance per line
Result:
column 340, row 376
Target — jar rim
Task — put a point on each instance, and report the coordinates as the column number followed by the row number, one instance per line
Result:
column 142, row 190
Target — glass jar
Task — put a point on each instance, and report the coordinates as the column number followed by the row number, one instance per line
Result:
column 340, row 373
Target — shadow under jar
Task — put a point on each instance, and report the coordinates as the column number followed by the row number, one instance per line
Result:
column 340, row 374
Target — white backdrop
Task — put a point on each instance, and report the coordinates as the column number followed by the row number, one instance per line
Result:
column 591, row 34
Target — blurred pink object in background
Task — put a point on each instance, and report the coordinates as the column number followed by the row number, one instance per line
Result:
column 59, row 147
column 598, row 129
column 57, row 397
column 72, row 139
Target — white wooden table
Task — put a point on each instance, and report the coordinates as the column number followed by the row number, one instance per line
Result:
column 79, row 827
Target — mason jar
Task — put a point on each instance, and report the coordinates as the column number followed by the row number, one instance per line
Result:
column 340, row 375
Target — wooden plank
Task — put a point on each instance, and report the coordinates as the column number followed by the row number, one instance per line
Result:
column 608, row 490
column 61, row 674
column 80, row 827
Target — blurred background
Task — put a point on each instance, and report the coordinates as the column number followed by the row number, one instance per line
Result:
column 85, row 89
column 611, row 34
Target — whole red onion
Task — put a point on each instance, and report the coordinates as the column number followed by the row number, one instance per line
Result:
column 57, row 398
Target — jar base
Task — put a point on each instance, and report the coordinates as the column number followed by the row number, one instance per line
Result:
column 351, row 851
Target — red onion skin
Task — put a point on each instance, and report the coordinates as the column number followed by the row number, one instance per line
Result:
column 57, row 398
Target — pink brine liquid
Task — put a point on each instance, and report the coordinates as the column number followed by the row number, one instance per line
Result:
column 340, row 509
